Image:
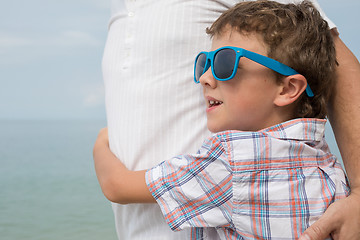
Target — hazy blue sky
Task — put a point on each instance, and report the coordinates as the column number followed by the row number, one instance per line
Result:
column 51, row 50
column 50, row 58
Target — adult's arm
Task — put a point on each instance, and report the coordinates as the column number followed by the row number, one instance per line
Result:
column 342, row 218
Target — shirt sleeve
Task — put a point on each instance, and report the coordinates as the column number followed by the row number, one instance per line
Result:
column 194, row 190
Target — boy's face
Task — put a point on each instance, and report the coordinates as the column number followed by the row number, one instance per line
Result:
column 245, row 102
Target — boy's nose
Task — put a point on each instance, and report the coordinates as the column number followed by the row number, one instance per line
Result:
column 208, row 80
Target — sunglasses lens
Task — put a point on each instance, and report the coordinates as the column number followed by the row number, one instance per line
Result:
column 224, row 63
column 199, row 66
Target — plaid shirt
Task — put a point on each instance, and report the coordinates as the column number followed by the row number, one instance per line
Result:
column 271, row 184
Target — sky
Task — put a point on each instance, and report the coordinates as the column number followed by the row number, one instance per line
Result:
column 50, row 59
column 51, row 52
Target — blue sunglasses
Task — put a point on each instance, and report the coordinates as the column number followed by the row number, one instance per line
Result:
column 224, row 62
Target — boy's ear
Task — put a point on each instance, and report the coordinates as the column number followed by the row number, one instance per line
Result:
column 290, row 90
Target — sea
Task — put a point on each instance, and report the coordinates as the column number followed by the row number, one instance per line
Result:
column 48, row 186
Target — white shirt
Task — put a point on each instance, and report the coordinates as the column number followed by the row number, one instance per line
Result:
column 154, row 109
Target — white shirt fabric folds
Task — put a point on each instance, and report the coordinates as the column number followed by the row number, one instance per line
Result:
column 154, row 109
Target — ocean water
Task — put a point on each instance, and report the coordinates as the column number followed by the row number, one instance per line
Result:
column 48, row 186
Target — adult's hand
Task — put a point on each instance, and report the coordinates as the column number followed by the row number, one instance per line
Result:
column 341, row 220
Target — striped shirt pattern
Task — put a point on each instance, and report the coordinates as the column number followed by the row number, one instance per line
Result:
column 270, row 184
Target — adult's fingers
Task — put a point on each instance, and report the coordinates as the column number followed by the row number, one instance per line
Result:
column 341, row 220
column 320, row 230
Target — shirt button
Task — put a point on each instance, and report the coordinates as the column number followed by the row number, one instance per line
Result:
column 130, row 14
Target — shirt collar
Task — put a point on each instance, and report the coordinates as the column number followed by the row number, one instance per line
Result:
column 303, row 129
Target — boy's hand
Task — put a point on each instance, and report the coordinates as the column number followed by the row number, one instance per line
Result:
column 103, row 137
column 118, row 183
column 341, row 220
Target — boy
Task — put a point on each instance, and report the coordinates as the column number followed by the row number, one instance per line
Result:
column 266, row 173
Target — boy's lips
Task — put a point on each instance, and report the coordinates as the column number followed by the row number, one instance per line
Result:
column 212, row 103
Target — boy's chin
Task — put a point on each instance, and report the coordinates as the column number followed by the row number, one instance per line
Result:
column 215, row 128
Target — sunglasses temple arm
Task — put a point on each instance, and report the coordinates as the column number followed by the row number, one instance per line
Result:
column 276, row 66
column 308, row 91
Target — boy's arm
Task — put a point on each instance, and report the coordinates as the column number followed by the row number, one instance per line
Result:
column 118, row 184
column 342, row 218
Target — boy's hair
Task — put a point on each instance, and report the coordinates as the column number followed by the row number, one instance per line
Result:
column 295, row 35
